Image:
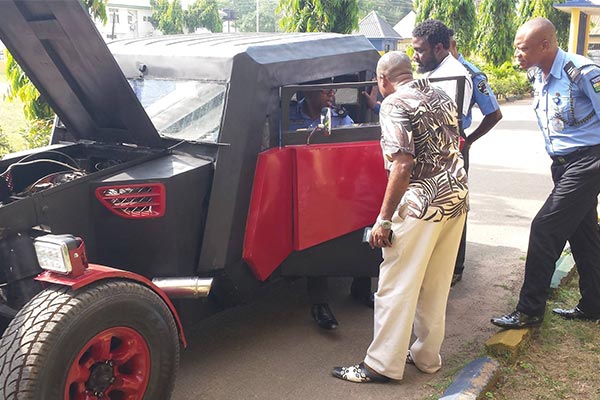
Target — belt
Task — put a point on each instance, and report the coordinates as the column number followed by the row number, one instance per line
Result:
column 575, row 154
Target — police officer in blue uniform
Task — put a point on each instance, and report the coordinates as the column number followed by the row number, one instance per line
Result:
column 567, row 105
column 485, row 99
column 306, row 114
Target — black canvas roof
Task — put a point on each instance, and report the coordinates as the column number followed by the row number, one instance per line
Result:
column 282, row 57
column 58, row 46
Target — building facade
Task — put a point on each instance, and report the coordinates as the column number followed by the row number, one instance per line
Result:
column 126, row 19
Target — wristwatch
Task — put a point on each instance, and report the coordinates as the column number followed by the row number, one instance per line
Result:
column 385, row 223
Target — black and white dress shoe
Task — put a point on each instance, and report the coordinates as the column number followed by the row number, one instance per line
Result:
column 358, row 373
column 517, row 320
column 323, row 316
column 575, row 313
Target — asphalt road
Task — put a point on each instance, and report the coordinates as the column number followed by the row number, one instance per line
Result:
column 271, row 349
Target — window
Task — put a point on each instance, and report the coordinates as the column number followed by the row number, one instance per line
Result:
column 185, row 110
column 113, row 15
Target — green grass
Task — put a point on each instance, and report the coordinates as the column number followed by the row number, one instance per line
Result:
column 559, row 362
column 12, row 120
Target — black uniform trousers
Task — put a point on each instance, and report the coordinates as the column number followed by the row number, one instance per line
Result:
column 569, row 213
column 318, row 288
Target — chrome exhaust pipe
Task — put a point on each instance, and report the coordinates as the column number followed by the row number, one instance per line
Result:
column 190, row 287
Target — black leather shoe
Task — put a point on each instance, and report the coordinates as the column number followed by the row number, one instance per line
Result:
column 456, row 278
column 359, row 374
column 517, row 320
column 323, row 316
column 574, row 313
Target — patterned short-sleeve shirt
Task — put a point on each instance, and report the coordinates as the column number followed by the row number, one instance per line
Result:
column 421, row 120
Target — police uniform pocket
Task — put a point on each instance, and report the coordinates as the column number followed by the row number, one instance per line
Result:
column 559, row 112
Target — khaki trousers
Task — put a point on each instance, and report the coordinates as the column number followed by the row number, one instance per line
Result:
column 414, row 282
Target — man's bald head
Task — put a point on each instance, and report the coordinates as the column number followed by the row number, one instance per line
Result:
column 395, row 65
column 539, row 29
column 393, row 69
column 536, row 44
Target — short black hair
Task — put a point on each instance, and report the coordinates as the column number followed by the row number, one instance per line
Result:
column 434, row 31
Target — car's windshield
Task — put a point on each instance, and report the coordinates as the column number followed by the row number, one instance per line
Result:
column 186, row 110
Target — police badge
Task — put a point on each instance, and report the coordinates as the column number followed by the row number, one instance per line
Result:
column 483, row 88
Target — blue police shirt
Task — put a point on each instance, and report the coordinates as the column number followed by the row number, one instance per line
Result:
column 299, row 120
column 568, row 121
column 483, row 95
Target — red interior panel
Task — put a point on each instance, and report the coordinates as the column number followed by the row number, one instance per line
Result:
column 268, row 239
column 338, row 189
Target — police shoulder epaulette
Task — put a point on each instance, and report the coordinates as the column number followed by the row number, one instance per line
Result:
column 473, row 72
column 531, row 73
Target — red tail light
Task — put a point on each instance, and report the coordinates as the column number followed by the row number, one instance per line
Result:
column 138, row 201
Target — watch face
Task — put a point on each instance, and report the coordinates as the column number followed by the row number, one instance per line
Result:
column 386, row 224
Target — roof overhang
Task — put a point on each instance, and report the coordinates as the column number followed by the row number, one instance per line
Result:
column 590, row 7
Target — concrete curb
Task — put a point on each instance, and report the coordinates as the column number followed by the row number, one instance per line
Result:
column 480, row 375
column 475, row 378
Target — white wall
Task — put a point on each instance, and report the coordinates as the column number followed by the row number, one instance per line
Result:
column 125, row 22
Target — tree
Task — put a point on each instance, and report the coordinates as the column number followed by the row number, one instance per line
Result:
column 319, row 16
column 496, row 30
column 159, row 10
column 203, row 13
column 97, row 9
column 4, row 145
column 267, row 20
column 170, row 21
column 20, row 87
column 544, row 8
column 459, row 15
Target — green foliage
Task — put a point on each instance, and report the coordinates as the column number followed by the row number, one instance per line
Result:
column 319, row 16
column 496, row 30
column 37, row 133
column 507, row 80
column 20, row 87
column 97, row 9
column 544, row 8
column 4, row 144
column 171, row 21
column 456, row 14
column 203, row 13
column 159, row 10
column 267, row 20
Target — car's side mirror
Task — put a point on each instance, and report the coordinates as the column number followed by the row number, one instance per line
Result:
column 326, row 121
column 324, row 124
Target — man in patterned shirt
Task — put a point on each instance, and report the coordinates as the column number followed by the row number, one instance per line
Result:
column 419, row 225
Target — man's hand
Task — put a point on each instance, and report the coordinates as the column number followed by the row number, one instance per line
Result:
column 371, row 97
column 380, row 237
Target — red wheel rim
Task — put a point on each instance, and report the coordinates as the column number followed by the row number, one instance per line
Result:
column 114, row 364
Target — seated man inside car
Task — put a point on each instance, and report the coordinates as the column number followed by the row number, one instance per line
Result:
column 306, row 114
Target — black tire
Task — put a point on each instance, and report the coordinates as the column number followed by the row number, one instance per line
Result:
column 46, row 336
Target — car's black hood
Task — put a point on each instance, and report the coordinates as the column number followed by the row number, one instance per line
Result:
column 58, row 46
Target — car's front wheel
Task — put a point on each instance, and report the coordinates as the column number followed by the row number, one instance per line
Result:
column 113, row 340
